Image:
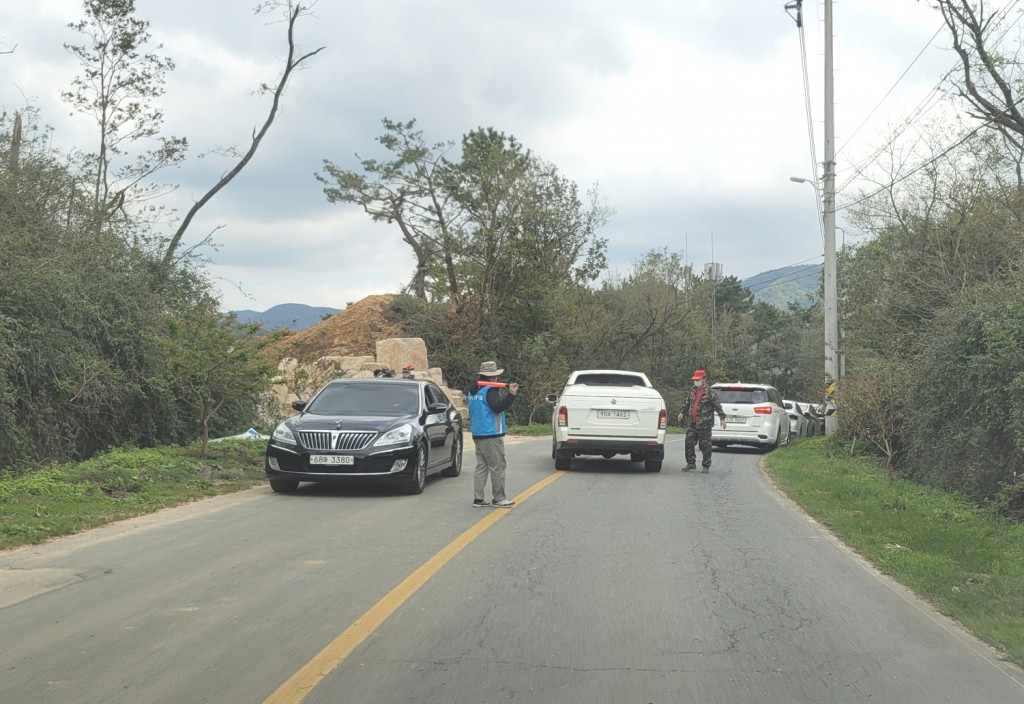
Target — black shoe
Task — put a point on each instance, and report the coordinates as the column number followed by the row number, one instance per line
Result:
column 480, row 503
column 689, row 468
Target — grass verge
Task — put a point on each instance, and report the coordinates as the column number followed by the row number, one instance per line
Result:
column 68, row 498
column 963, row 559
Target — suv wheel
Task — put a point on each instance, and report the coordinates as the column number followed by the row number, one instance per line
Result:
column 563, row 462
column 652, row 465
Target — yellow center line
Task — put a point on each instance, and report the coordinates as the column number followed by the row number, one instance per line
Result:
column 296, row 687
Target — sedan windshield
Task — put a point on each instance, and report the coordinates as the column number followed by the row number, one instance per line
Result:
column 366, row 399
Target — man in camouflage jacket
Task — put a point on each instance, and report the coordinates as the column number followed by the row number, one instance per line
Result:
column 699, row 414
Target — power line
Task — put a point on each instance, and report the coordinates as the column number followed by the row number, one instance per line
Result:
column 920, row 110
column 786, row 277
column 917, row 168
column 810, row 119
column 889, row 92
column 789, row 279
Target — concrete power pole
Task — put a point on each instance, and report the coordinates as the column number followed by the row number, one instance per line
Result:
column 829, row 188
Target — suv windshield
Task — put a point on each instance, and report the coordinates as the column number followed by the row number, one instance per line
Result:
column 735, row 394
column 609, row 380
column 375, row 398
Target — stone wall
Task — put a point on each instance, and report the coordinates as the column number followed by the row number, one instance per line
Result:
column 295, row 380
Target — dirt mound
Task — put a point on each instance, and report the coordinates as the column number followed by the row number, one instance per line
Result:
column 352, row 332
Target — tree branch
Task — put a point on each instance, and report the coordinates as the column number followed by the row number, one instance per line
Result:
column 290, row 65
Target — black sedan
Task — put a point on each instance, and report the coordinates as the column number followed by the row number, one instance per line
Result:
column 399, row 429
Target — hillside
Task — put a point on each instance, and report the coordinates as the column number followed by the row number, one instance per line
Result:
column 354, row 331
column 790, row 284
column 293, row 316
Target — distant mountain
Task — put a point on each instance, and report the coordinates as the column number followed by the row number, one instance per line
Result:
column 294, row 316
column 790, row 284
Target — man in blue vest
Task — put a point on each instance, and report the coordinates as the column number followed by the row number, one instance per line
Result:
column 487, row 406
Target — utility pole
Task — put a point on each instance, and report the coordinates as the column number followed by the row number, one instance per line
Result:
column 829, row 188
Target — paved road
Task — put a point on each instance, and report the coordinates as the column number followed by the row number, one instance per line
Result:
column 607, row 585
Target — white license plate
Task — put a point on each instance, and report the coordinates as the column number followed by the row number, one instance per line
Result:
column 624, row 415
column 332, row 459
column 735, row 419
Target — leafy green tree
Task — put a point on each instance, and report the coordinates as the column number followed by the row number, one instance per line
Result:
column 210, row 367
column 411, row 190
column 120, row 82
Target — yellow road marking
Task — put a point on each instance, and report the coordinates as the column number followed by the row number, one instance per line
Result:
column 296, row 687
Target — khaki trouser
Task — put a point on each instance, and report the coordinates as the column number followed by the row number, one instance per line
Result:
column 490, row 462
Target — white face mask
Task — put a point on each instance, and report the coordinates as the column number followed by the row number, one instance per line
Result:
column 698, row 383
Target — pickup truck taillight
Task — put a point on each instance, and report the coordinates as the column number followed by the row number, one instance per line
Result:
column 763, row 410
column 662, row 419
column 563, row 417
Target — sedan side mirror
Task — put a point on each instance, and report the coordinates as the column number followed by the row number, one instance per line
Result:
column 551, row 398
column 299, row 405
column 437, row 408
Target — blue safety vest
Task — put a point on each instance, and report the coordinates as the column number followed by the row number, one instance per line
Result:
column 483, row 422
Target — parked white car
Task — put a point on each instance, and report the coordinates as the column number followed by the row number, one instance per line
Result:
column 798, row 423
column 608, row 412
column 754, row 416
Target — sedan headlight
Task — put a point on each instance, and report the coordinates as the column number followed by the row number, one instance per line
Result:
column 401, row 435
column 283, row 434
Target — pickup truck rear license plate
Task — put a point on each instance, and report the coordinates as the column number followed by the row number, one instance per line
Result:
column 624, row 415
column 331, row 459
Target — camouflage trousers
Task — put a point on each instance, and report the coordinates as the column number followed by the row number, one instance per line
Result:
column 693, row 437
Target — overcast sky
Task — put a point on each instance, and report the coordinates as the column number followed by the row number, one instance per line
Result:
column 689, row 116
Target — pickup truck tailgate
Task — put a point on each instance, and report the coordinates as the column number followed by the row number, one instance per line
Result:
column 613, row 412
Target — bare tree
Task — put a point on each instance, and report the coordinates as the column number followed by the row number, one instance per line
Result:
column 989, row 76
column 294, row 10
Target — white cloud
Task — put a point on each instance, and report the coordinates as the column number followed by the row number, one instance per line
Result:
column 690, row 116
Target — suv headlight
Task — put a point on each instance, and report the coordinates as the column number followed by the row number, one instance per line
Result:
column 401, row 435
column 283, row 434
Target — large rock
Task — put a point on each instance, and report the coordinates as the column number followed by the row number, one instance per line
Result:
column 352, row 364
column 399, row 352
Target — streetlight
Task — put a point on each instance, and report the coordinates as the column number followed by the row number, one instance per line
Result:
column 831, row 293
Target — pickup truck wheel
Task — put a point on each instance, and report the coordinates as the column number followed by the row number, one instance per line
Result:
column 554, row 452
column 563, row 462
column 652, row 465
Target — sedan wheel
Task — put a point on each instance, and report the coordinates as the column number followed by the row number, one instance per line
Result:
column 455, row 468
column 418, row 480
column 284, row 486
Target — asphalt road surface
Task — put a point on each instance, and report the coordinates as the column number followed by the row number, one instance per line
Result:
column 605, row 584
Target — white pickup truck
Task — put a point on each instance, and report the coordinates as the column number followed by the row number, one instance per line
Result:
column 608, row 412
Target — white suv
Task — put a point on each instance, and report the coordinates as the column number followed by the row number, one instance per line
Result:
column 754, row 416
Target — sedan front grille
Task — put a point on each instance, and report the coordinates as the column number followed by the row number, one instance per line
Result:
column 335, row 439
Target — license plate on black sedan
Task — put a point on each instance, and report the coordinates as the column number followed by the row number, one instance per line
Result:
column 332, row 459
